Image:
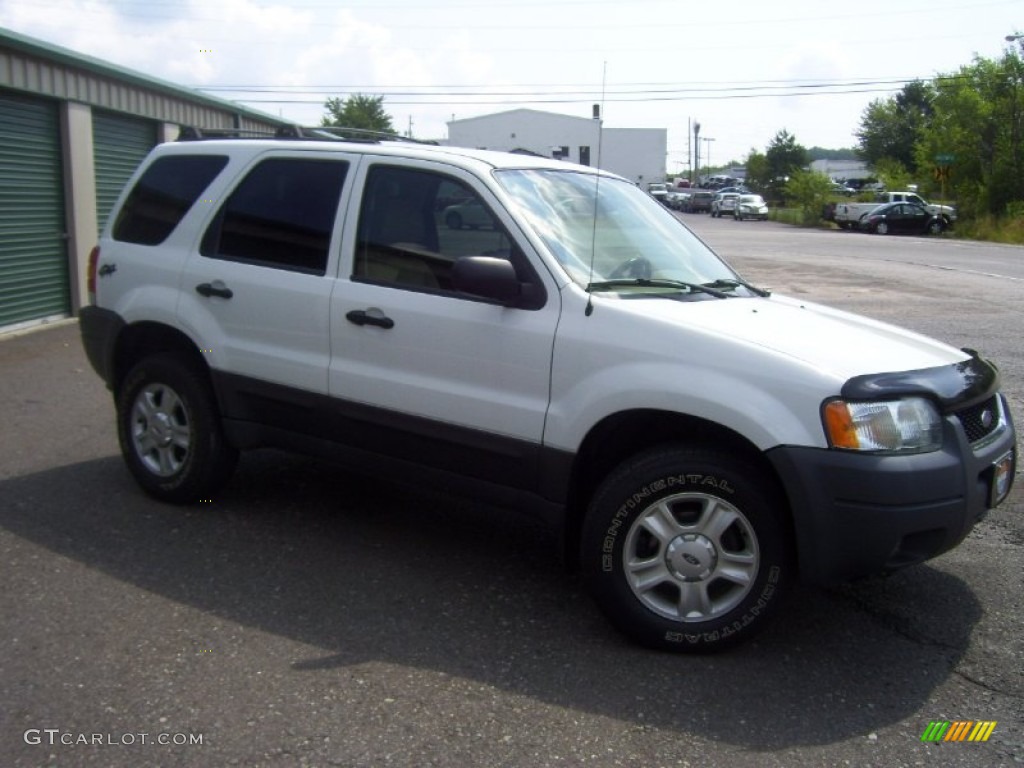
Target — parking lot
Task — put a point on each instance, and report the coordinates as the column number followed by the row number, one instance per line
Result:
column 308, row 616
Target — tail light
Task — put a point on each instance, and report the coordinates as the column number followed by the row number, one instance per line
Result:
column 90, row 275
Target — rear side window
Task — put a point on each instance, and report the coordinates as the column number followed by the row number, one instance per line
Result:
column 280, row 215
column 162, row 196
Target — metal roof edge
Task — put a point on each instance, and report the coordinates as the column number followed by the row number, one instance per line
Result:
column 42, row 49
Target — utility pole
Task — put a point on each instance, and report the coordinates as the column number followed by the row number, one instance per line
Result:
column 696, row 154
column 707, row 155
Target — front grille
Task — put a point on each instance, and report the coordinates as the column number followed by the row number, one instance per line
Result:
column 981, row 420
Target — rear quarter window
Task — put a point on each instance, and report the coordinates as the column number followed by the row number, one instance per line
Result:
column 163, row 195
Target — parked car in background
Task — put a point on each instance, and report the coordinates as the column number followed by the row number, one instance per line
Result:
column 724, row 204
column 658, row 191
column 699, row 202
column 849, row 215
column 751, row 207
column 676, row 198
column 902, row 219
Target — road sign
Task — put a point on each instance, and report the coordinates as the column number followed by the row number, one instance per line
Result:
column 944, row 159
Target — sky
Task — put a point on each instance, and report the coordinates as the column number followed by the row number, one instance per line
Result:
column 743, row 70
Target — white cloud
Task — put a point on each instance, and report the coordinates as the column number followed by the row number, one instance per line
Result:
column 387, row 46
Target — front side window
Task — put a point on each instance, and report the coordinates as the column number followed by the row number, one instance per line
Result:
column 281, row 215
column 414, row 225
column 163, row 195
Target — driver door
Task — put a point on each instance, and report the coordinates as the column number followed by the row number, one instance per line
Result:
column 425, row 372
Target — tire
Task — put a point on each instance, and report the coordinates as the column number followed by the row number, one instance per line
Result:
column 935, row 227
column 453, row 220
column 882, row 228
column 687, row 550
column 170, row 432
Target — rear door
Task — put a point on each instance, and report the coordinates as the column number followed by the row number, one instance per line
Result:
column 418, row 369
column 256, row 291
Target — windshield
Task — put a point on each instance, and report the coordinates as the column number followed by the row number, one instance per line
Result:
column 609, row 230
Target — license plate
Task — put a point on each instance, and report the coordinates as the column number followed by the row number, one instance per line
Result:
column 1002, row 478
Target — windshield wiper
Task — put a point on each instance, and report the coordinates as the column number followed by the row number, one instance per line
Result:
column 657, row 282
column 736, row 283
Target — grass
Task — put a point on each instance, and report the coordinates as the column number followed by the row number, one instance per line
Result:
column 1005, row 229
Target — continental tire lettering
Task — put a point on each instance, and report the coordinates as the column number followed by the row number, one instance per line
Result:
column 701, row 481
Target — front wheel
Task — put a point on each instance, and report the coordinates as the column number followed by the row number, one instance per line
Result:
column 686, row 549
column 170, row 432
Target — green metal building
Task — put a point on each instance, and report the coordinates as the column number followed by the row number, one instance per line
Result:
column 72, row 130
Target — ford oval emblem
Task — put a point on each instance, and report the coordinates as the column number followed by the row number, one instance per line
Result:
column 690, row 559
column 987, row 418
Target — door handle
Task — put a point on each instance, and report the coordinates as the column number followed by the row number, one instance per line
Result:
column 370, row 317
column 216, row 288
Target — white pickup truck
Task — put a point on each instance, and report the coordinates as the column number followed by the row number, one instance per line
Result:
column 846, row 215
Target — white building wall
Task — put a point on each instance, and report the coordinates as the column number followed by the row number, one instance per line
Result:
column 638, row 154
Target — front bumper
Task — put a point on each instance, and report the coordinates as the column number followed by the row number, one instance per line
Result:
column 858, row 514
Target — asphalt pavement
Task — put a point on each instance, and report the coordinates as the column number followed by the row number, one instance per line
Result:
column 309, row 616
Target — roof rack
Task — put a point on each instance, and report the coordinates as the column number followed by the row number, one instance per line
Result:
column 194, row 133
column 315, row 133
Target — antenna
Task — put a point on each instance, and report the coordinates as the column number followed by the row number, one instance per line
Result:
column 598, row 109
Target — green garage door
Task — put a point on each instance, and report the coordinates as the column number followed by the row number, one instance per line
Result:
column 33, row 250
column 119, row 145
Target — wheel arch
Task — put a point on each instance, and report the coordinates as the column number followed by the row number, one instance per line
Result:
column 622, row 435
column 144, row 339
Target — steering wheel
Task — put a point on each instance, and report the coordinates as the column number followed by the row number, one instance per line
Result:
column 637, row 267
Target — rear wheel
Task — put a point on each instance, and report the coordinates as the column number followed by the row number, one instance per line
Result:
column 686, row 549
column 170, row 432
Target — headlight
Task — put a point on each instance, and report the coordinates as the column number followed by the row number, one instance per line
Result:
column 912, row 425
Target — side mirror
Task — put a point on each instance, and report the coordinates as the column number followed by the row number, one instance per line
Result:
column 487, row 277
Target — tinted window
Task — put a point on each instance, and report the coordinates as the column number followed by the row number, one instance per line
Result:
column 162, row 196
column 280, row 215
column 414, row 224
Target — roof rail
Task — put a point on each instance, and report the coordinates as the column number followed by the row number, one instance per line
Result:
column 194, row 133
column 343, row 133
column 310, row 133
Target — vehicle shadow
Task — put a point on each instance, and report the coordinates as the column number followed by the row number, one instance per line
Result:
column 365, row 570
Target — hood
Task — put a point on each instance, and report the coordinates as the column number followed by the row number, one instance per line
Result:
column 836, row 343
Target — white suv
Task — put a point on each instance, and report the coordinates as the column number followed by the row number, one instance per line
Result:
column 581, row 354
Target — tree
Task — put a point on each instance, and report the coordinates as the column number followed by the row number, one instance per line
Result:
column 893, row 174
column 890, row 128
column 783, row 158
column 757, row 170
column 810, row 191
column 364, row 113
column 979, row 128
